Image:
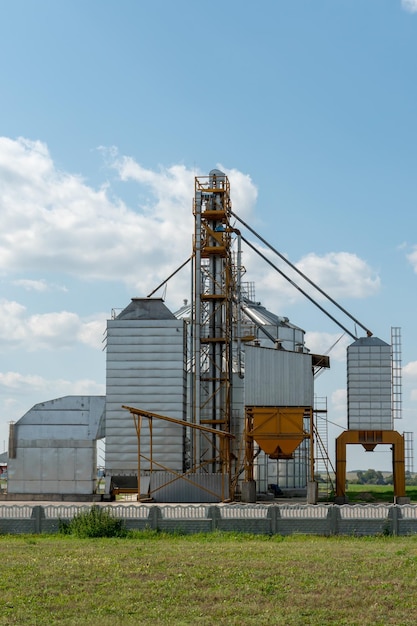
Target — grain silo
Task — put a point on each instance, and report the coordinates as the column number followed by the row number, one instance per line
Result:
column 369, row 384
column 370, row 410
column 145, row 367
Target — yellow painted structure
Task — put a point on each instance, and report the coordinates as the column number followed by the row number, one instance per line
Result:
column 369, row 439
column 278, row 431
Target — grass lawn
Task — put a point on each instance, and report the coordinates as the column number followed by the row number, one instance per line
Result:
column 376, row 493
column 208, row 579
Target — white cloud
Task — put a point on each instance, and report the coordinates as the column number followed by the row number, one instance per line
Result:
column 31, row 285
column 409, row 5
column 338, row 407
column 37, row 285
column 52, row 220
column 410, row 370
column 326, row 343
column 243, row 191
column 341, row 274
column 412, row 258
column 28, row 383
column 174, row 186
column 91, row 332
column 47, row 330
column 19, row 392
column 16, row 381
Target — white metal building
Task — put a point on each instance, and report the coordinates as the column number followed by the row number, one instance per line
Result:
column 52, row 448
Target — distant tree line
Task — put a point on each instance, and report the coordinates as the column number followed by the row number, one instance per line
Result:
column 374, row 477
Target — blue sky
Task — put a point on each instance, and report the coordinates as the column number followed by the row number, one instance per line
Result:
column 109, row 109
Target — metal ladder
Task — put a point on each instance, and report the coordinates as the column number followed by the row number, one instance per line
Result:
column 322, row 463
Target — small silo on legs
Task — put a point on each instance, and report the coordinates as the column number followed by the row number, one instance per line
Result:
column 370, row 415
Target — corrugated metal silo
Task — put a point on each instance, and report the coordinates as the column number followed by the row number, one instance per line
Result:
column 369, row 385
column 269, row 326
column 146, row 370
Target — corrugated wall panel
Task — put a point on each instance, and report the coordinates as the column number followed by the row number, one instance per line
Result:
column 56, row 418
column 55, row 447
column 145, row 369
column 131, row 361
column 129, row 384
column 197, row 487
column 278, row 378
column 131, row 353
column 369, row 372
column 47, row 470
column 145, row 342
column 51, row 431
column 153, row 378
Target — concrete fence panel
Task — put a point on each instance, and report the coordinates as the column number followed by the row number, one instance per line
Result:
column 271, row 519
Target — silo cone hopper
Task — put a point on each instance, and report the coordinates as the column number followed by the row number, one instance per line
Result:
column 278, row 431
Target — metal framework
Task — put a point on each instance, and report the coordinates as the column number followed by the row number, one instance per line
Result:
column 323, row 464
column 280, row 431
column 222, row 437
column 369, row 439
column 214, row 288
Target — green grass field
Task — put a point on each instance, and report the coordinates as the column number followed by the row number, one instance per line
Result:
column 211, row 579
column 376, row 493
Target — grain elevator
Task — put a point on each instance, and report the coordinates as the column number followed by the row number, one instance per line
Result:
column 244, row 381
column 212, row 402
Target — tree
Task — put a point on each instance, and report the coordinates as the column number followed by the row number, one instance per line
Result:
column 370, row 477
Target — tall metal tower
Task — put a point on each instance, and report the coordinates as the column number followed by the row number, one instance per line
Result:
column 213, row 285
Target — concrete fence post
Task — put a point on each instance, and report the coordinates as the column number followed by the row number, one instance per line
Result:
column 38, row 514
column 155, row 515
column 333, row 517
column 214, row 515
column 394, row 514
column 273, row 515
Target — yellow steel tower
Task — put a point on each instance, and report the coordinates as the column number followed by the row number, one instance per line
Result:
column 212, row 320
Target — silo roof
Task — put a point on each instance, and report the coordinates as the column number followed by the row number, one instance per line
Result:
column 256, row 309
column 369, row 341
column 265, row 317
column 146, row 309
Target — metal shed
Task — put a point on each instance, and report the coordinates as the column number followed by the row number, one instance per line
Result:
column 52, row 448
